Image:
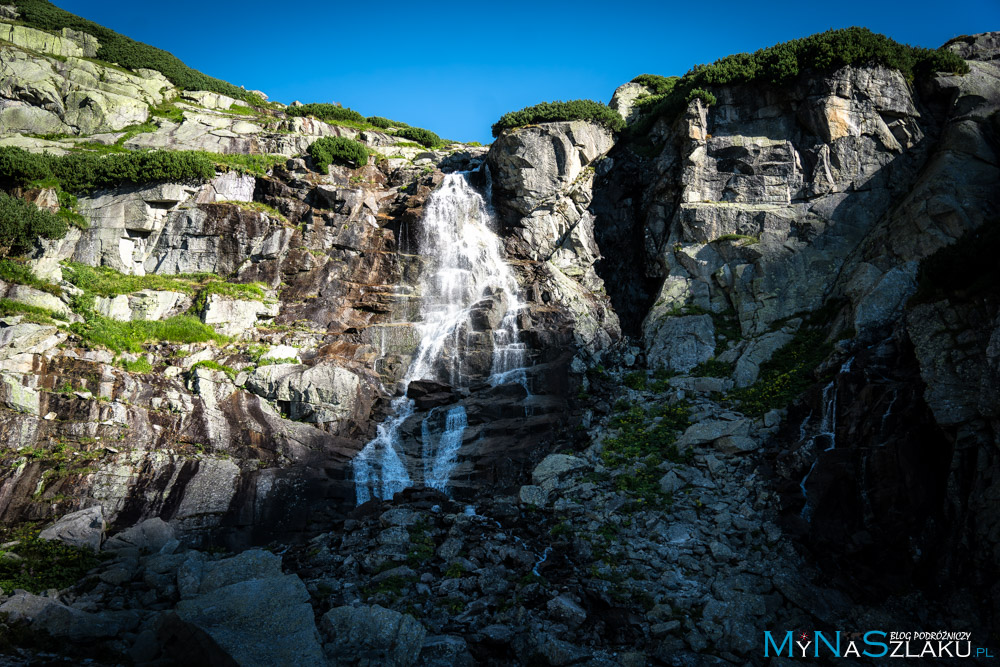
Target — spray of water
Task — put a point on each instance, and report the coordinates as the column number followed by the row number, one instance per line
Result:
column 466, row 266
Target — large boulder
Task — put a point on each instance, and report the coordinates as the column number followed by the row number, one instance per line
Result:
column 84, row 529
column 679, row 343
column 258, row 622
column 370, row 636
column 534, row 163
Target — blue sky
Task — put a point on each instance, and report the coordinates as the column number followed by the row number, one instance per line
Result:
column 456, row 67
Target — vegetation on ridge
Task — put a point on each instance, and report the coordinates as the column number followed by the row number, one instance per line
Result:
column 119, row 49
column 548, row 112
column 822, row 52
column 342, row 150
column 22, row 223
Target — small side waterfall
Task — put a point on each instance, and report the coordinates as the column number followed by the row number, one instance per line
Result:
column 825, row 434
column 467, row 268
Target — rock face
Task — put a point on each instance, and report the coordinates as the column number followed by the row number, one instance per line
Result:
column 542, row 188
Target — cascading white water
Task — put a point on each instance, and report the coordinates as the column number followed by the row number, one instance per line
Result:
column 467, row 265
column 827, row 431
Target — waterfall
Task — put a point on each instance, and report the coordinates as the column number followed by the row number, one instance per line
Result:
column 466, row 267
column 827, row 430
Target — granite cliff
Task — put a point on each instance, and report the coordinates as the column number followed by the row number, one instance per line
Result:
column 757, row 381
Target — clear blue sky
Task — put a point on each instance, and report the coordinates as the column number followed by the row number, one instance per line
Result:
column 456, row 67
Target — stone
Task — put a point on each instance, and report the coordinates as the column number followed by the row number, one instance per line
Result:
column 259, row 621
column 624, row 99
column 30, row 296
column 322, row 393
column 757, row 352
column 671, row 483
column 710, row 430
column 16, row 396
column 679, row 343
column 150, row 535
column 84, row 529
column 566, row 610
column 556, row 467
column 369, row 636
column 530, row 494
column 445, row 651
column 250, row 564
column 736, row 444
column 234, row 317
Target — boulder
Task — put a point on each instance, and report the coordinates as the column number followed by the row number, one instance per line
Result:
column 757, row 352
column 679, row 343
column 16, row 396
column 556, row 467
column 83, row 529
column 370, row 636
column 233, row 317
column 149, row 535
column 258, row 622
column 711, row 430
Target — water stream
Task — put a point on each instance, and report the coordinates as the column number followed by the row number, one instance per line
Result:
column 826, row 433
column 466, row 267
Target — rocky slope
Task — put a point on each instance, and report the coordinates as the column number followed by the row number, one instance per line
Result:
column 759, row 399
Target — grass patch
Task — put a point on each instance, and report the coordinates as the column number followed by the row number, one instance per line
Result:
column 635, row 380
column 131, row 336
column 786, row 375
column 713, row 369
column 41, row 564
column 141, row 366
column 211, row 365
column 259, row 207
column 19, row 273
column 750, row 240
column 33, row 314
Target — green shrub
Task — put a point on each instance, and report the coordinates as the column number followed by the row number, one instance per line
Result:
column 635, row 380
column 713, row 368
column 331, row 150
column 84, row 171
column 701, row 94
column 41, row 564
column 328, row 113
column 22, row 224
column 822, row 52
column 420, row 135
column 548, row 112
column 383, row 123
column 116, row 48
column 659, row 85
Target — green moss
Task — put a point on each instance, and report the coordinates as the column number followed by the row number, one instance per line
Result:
column 259, row 207
column 167, row 111
column 276, row 362
column 548, row 112
column 750, row 240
